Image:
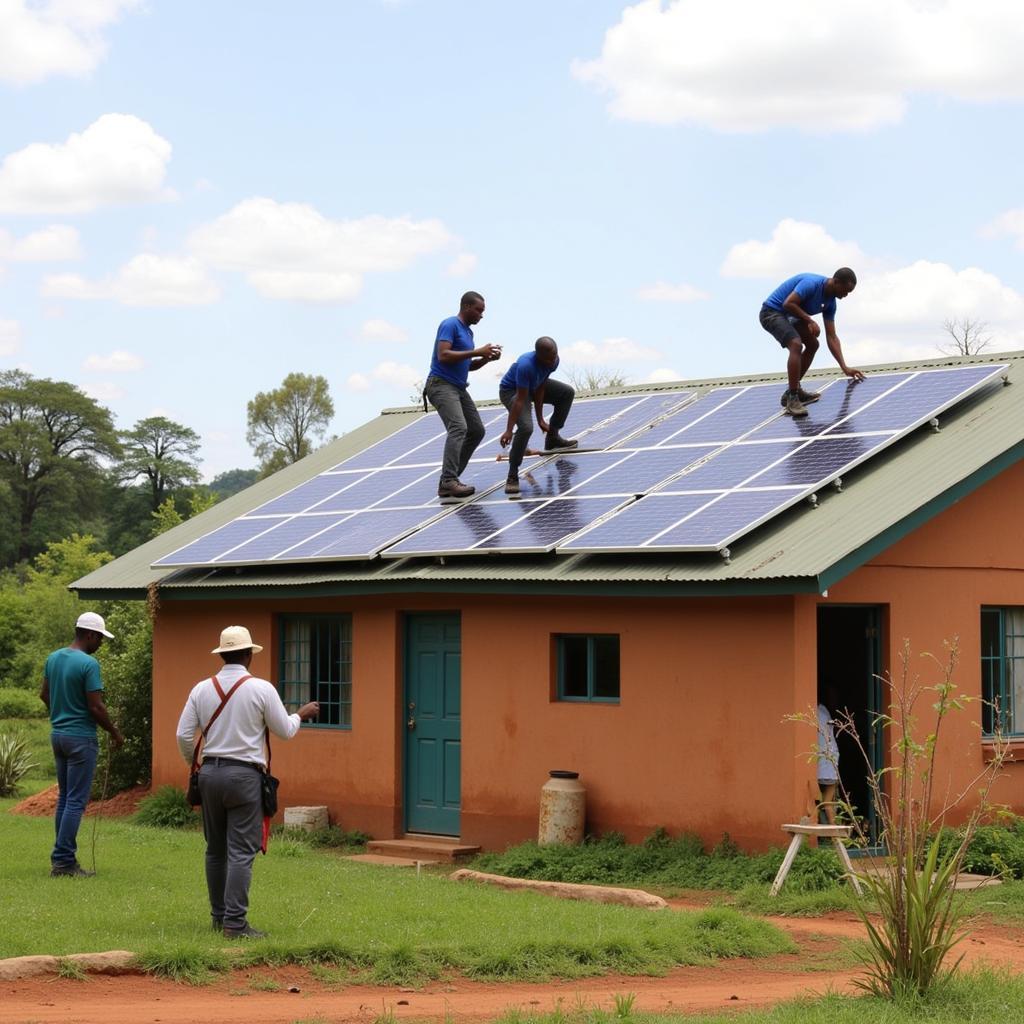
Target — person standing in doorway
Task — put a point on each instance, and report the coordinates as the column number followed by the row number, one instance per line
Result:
column 447, row 389
column 73, row 694
column 788, row 316
column 234, row 757
column 527, row 383
column 828, row 754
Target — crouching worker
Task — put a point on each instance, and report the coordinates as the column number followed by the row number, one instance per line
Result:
column 233, row 710
column 527, row 381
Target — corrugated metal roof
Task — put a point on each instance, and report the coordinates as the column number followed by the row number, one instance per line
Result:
column 803, row 549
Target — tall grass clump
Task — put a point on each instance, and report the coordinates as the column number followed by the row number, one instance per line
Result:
column 15, row 762
column 166, row 808
column 922, row 917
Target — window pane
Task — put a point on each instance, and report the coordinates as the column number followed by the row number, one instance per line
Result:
column 316, row 664
column 1013, row 619
column 990, row 665
column 573, row 663
column 606, row 667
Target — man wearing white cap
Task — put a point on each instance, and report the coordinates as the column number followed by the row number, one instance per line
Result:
column 234, row 757
column 73, row 693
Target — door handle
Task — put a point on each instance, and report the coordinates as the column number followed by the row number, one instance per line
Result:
column 411, row 724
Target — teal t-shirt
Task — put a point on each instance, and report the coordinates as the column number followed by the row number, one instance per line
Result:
column 71, row 675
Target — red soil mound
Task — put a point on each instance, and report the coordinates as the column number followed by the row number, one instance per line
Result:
column 43, row 804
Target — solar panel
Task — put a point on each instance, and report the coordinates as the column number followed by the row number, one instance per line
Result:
column 674, row 518
column 678, row 473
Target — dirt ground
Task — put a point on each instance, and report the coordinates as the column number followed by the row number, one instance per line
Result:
column 135, row 999
column 44, row 803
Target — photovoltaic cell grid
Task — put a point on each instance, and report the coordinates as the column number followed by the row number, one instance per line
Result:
column 675, row 475
column 384, row 492
column 706, row 506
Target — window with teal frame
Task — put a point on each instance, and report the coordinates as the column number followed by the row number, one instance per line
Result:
column 1002, row 670
column 316, row 664
column 588, row 667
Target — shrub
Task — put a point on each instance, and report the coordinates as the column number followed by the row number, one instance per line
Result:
column 166, row 808
column 15, row 762
column 18, row 703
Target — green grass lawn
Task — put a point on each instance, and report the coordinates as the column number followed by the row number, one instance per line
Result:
column 981, row 997
column 149, row 896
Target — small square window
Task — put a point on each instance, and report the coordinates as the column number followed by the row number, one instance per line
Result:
column 587, row 667
column 316, row 664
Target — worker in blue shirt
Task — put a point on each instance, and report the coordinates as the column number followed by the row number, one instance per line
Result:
column 788, row 315
column 527, row 382
column 447, row 386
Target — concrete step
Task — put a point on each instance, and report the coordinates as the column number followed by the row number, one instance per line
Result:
column 388, row 862
column 423, row 848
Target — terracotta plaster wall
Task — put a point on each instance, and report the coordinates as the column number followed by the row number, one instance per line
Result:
column 697, row 742
column 355, row 772
column 933, row 584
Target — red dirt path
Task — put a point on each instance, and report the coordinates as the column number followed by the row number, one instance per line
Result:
column 44, row 803
column 740, row 984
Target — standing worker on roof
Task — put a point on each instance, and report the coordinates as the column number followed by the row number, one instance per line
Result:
column 527, row 382
column 73, row 694
column 447, row 389
column 788, row 315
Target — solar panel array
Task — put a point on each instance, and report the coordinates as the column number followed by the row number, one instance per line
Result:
column 672, row 472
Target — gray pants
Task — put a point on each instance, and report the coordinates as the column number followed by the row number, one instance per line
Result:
column 556, row 394
column 233, row 826
column 462, row 421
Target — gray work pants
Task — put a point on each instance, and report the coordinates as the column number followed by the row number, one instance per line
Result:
column 462, row 421
column 556, row 394
column 233, row 826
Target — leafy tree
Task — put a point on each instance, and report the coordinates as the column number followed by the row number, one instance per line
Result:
column 161, row 452
column 282, row 423
column 52, row 438
column 232, row 481
column 167, row 515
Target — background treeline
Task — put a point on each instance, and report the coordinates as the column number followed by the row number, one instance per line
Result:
column 76, row 492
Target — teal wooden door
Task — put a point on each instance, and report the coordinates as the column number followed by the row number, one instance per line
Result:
column 432, row 724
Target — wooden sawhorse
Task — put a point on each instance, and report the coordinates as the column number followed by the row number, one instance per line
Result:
column 837, row 833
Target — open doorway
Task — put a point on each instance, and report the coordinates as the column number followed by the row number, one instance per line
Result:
column 849, row 659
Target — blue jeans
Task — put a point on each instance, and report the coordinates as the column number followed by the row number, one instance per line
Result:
column 76, row 764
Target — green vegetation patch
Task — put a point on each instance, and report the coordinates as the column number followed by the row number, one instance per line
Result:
column 388, row 926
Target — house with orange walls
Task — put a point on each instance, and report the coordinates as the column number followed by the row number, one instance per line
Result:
column 451, row 685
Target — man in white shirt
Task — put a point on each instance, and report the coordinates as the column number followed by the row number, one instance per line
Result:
column 233, row 758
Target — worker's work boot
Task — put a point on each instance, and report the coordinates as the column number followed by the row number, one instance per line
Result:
column 557, row 443
column 512, row 486
column 451, row 491
column 805, row 396
column 794, row 407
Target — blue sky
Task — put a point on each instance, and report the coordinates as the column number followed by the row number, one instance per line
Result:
column 198, row 198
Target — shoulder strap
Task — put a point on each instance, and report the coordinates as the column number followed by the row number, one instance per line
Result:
column 224, row 698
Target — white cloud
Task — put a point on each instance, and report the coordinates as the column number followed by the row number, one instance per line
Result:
column 1009, row 223
column 795, row 247
column 663, row 375
column 463, row 265
column 358, row 382
column 746, row 65
column 103, row 390
column 117, row 159
column 10, row 337
column 382, row 330
column 59, row 37
column 291, row 251
column 49, row 245
column 397, row 374
column 146, row 280
column 118, row 361
column 610, row 350
column 664, row 292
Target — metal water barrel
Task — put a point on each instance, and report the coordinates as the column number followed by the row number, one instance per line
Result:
column 563, row 810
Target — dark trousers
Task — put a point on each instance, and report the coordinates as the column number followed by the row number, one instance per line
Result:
column 233, row 826
column 556, row 394
column 462, row 421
